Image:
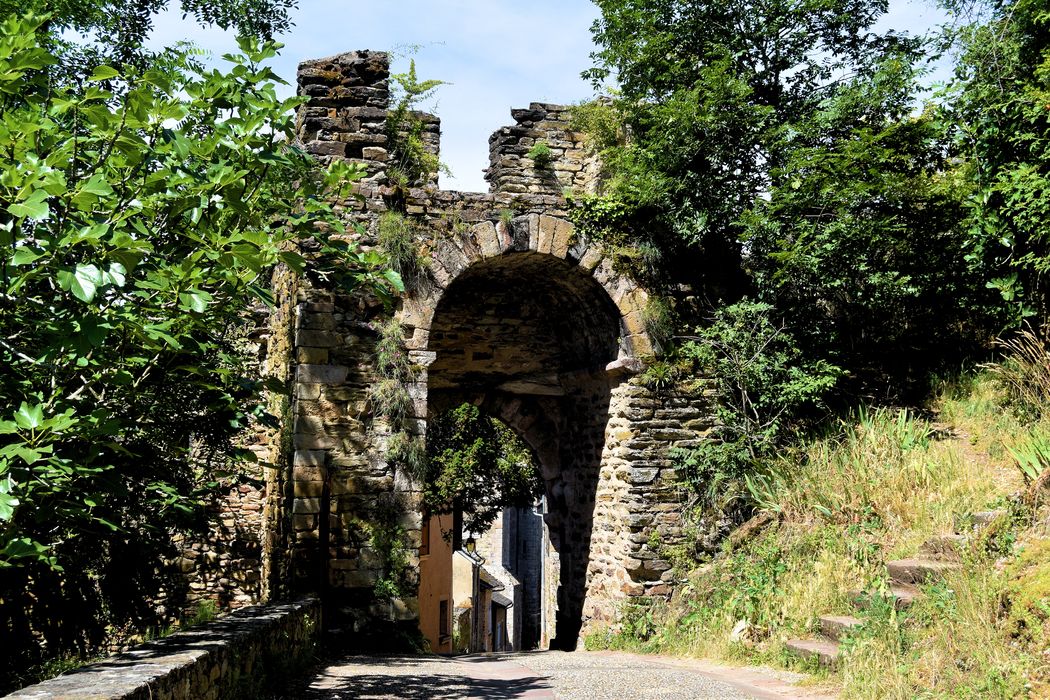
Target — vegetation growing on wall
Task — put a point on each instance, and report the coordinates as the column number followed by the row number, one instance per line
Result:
column 411, row 164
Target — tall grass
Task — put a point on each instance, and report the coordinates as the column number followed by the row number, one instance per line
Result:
column 884, row 466
column 876, row 489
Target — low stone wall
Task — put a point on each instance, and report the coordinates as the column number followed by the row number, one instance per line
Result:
column 245, row 655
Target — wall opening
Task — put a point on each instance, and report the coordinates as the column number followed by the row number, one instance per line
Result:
column 527, row 338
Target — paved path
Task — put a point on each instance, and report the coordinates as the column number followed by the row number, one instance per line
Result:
column 548, row 675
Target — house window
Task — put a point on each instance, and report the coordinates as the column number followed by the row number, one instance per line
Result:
column 424, row 537
column 443, row 619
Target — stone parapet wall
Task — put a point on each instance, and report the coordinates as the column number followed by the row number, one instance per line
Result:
column 245, row 655
column 571, row 165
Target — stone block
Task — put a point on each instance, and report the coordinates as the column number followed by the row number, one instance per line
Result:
column 592, row 257
column 304, row 506
column 309, row 458
column 304, row 522
column 308, row 489
column 305, row 441
column 322, row 374
column 326, row 148
column 317, row 339
column 317, row 322
column 534, row 231
column 375, row 153
column 562, row 236
column 487, row 238
column 312, row 356
column 547, row 227
column 642, row 475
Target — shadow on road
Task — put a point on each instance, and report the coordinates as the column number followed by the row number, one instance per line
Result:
column 419, row 678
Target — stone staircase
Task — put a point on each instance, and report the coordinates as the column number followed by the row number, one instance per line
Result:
column 937, row 556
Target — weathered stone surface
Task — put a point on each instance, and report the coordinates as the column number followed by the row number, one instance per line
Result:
column 322, row 374
column 514, row 313
column 203, row 662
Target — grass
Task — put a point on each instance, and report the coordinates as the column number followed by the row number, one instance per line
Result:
column 876, row 489
column 399, row 239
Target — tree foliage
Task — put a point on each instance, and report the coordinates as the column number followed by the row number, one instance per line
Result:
column 712, row 97
column 118, row 28
column 861, row 240
column 140, row 214
column 1001, row 112
column 477, row 467
column 767, row 386
column 770, row 150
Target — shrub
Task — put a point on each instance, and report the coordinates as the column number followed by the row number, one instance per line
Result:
column 541, row 154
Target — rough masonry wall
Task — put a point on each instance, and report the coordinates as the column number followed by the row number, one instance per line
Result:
column 640, row 495
column 601, row 437
column 572, row 164
column 248, row 655
column 242, row 559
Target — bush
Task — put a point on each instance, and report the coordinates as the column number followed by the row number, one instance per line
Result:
column 766, row 390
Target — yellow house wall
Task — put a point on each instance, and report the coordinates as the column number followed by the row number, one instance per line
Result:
column 435, row 585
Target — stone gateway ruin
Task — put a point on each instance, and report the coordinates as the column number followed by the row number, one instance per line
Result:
column 511, row 311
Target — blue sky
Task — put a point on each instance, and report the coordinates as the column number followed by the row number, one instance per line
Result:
column 496, row 55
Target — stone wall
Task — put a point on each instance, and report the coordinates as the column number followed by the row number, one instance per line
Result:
column 245, row 655
column 513, row 311
column 225, row 566
column 640, row 496
column 572, row 164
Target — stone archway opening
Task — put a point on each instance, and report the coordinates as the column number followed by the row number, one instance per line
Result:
column 527, row 337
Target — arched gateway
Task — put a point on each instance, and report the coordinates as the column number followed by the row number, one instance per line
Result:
column 518, row 315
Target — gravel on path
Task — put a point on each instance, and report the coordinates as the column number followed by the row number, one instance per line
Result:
column 548, row 675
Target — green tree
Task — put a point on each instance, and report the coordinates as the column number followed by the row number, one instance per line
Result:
column 477, row 467
column 861, row 243
column 712, row 96
column 1002, row 115
column 140, row 214
column 767, row 390
column 118, row 28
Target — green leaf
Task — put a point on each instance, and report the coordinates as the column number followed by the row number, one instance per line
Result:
column 37, row 210
column 24, row 255
column 103, row 73
column 8, row 504
column 195, row 301
column 97, row 185
column 395, row 280
column 83, row 282
column 29, row 417
column 116, row 274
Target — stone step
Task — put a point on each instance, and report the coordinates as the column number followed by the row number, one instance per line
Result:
column 825, row 652
column 918, row 570
column 944, row 547
column 902, row 596
column 837, row 627
column 980, row 519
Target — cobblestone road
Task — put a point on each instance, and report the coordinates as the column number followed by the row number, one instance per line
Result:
column 546, row 675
